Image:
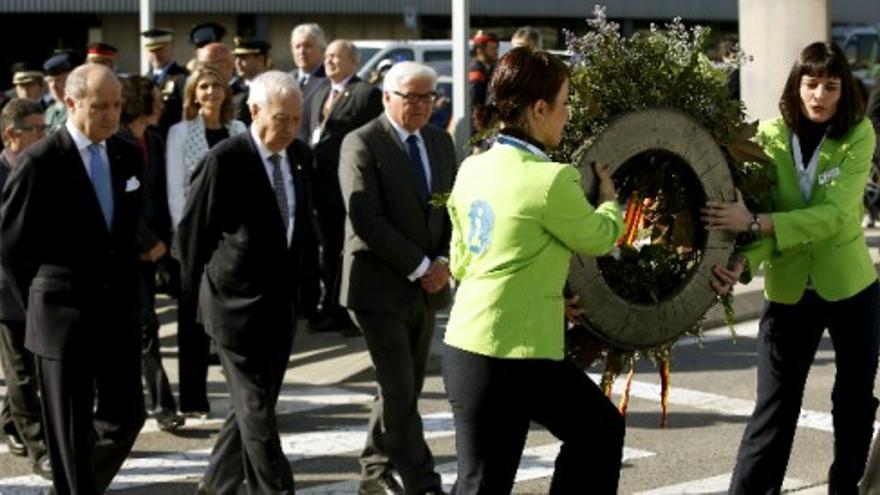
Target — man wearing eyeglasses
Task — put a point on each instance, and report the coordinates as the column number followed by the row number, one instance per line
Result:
column 22, row 124
column 341, row 104
column 394, row 173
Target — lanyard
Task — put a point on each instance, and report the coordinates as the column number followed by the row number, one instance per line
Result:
column 527, row 147
column 806, row 175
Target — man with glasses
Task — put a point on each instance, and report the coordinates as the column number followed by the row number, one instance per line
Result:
column 22, row 124
column 340, row 105
column 394, row 270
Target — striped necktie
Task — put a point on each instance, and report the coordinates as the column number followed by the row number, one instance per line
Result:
column 280, row 191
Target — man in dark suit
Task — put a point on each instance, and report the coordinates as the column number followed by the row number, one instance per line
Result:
column 394, row 271
column 307, row 44
column 253, row 263
column 22, row 124
column 68, row 242
column 166, row 74
column 341, row 104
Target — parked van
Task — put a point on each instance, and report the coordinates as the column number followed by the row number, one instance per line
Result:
column 434, row 53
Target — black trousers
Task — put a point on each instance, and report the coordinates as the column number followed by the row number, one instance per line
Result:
column 155, row 378
column 248, row 445
column 193, row 347
column 787, row 341
column 93, row 408
column 398, row 344
column 493, row 401
column 333, row 229
column 21, row 408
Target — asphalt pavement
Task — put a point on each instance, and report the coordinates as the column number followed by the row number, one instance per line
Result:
column 329, row 386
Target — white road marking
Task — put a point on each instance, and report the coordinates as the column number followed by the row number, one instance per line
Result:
column 536, row 463
column 716, row 485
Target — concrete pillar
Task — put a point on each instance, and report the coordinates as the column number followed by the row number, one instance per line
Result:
column 146, row 23
column 774, row 32
column 461, row 107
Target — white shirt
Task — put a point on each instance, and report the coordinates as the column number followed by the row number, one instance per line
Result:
column 82, row 145
column 340, row 86
column 286, row 177
column 403, row 134
column 423, row 151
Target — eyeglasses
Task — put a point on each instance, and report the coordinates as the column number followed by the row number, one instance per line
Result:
column 413, row 98
column 33, row 128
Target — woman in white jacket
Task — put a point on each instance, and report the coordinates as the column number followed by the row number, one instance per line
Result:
column 207, row 110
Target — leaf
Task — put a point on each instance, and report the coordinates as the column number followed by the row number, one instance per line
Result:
column 747, row 151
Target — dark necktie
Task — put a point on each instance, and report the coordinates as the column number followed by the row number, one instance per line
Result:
column 99, row 173
column 280, row 191
column 415, row 157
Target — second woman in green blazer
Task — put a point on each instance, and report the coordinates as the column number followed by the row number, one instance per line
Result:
column 517, row 217
column 818, row 273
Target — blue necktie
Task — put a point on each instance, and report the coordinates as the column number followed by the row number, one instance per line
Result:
column 415, row 157
column 99, row 173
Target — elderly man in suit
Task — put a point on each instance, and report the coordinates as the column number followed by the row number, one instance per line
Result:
column 340, row 105
column 22, row 124
column 307, row 45
column 68, row 242
column 254, row 262
column 394, row 273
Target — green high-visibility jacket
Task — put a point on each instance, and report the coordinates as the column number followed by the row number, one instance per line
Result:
column 516, row 220
column 820, row 240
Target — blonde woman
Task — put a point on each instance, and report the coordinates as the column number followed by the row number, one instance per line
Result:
column 207, row 112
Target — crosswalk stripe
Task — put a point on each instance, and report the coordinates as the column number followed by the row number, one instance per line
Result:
column 716, row 485
column 707, row 401
column 537, row 462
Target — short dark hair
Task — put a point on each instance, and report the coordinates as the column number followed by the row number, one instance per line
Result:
column 822, row 59
column 521, row 78
column 16, row 111
column 137, row 98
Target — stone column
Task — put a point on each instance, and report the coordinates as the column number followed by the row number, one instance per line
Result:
column 774, row 32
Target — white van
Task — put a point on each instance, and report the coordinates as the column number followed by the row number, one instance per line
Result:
column 434, row 53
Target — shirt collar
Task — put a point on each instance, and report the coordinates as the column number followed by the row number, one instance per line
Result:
column 79, row 139
column 265, row 152
column 505, row 140
column 401, row 132
column 340, row 87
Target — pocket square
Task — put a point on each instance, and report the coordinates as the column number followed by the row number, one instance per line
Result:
column 132, row 184
column 829, row 175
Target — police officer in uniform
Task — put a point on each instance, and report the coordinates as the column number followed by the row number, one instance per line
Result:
column 251, row 60
column 56, row 68
column 167, row 75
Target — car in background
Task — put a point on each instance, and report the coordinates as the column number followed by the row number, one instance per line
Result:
column 861, row 44
column 433, row 53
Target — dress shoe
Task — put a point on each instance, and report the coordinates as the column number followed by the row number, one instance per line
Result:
column 323, row 324
column 13, row 440
column 43, row 467
column 385, row 484
column 203, row 489
column 195, row 414
column 169, row 421
column 435, row 491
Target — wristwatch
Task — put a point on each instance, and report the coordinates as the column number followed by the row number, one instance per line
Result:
column 755, row 225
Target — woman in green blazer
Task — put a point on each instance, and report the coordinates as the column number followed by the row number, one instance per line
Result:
column 517, row 218
column 818, row 272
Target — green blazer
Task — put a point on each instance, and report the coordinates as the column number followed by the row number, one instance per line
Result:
column 821, row 240
column 515, row 222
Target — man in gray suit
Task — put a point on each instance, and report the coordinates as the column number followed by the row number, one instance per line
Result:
column 307, row 45
column 394, row 274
